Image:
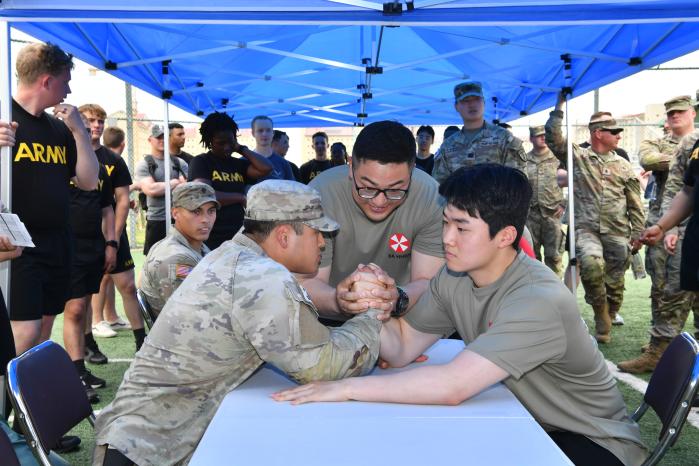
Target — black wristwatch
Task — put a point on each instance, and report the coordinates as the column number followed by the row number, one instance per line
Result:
column 112, row 244
column 402, row 303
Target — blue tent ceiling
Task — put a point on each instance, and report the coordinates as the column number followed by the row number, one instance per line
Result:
column 309, row 63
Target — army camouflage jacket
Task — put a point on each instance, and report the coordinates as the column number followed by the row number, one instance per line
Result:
column 675, row 179
column 656, row 155
column 237, row 309
column 607, row 191
column 168, row 263
column 542, row 171
column 492, row 144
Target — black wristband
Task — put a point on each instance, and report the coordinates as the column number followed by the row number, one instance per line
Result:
column 112, row 244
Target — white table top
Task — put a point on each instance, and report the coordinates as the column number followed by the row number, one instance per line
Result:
column 492, row 428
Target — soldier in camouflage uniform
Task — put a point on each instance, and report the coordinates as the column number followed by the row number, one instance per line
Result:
column 171, row 259
column 240, row 307
column 669, row 304
column 547, row 204
column 478, row 141
column 608, row 213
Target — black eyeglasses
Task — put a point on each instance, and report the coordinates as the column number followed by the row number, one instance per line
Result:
column 392, row 194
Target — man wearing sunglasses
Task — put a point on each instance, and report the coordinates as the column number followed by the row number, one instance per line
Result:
column 609, row 214
column 388, row 246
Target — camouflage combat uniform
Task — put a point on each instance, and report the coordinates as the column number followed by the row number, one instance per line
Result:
column 543, row 221
column 168, row 263
column 608, row 214
column 237, row 309
column 492, row 144
column 669, row 304
column 673, row 319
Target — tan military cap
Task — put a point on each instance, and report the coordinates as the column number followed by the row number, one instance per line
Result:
column 284, row 200
column 193, row 195
column 536, row 131
column 605, row 121
column 468, row 89
column 683, row 102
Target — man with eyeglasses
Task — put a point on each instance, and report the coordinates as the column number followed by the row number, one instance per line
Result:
column 388, row 246
column 609, row 213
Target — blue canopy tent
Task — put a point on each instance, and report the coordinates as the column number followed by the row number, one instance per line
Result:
column 351, row 62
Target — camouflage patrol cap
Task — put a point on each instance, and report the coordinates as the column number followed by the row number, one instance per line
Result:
column 468, row 89
column 536, row 131
column 156, row 131
column 193, row 195
column 683, row 102
column 604, row 121
column 283, row 200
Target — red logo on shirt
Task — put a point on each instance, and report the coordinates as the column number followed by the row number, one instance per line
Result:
column 399, row 243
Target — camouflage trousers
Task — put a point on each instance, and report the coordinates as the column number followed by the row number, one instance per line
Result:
column 670, row 305
column 603, row 261
column 546, row 232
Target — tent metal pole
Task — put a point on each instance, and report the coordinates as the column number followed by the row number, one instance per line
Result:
column 572, row 259
column 5, row 161
column 166, row 146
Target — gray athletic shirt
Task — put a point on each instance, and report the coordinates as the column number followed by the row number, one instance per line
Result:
column 528, row 324
column 415, row 224
column 156, row 205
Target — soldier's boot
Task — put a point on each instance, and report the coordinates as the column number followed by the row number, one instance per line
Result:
column 603, row 324
column 645, row 347
column 648, row 360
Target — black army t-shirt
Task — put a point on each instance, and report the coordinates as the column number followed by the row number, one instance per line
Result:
column 228, row 175
column 43, row 162
column 86, row 206
column 116, row 168
column 313, row 168
column 689, row 269
column 426, row 164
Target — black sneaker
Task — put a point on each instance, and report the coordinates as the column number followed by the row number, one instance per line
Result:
column 67, row 443
column 92, row 381
column 95, row 356
column 92, row 395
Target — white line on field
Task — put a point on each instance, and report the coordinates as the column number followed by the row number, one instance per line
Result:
column 121, row 360
column 641, row 385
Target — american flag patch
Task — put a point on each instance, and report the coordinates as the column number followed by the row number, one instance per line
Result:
column 182, row 270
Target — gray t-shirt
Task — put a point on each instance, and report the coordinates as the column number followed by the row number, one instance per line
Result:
column 528, row 324
column 416, row 224
column 156, row 205
column 281, row 170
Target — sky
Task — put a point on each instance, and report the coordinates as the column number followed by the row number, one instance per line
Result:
column 627, row 96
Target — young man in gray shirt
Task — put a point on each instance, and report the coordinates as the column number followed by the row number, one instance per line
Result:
column 521, row 324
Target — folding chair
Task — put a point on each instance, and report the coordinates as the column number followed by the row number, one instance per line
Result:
column 146, row 311
column 7, row 452
column 671, row 391
column 48, row 396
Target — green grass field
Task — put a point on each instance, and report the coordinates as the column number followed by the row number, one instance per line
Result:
column 625, row 344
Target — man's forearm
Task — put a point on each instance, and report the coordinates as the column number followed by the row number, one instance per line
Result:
column 323, row 296
column 680, row 209
column 415, row 289
column 86, row 165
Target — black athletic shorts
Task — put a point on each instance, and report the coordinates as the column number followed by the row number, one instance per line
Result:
column 155, row 231
column 87, row 266
column 40, row 277
column 124, row 261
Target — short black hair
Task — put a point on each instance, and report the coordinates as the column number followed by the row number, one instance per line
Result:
column 263, row 228
column 385, row 142
column 496, row 194
column 426, row 129
column 175, row 125
column 339, row 144
column 214, row 123
column 449, row 130
column 277, row 135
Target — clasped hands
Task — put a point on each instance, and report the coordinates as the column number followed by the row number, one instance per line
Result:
column 368, row 287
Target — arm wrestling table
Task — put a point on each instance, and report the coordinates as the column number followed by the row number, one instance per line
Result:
column 491, row 428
